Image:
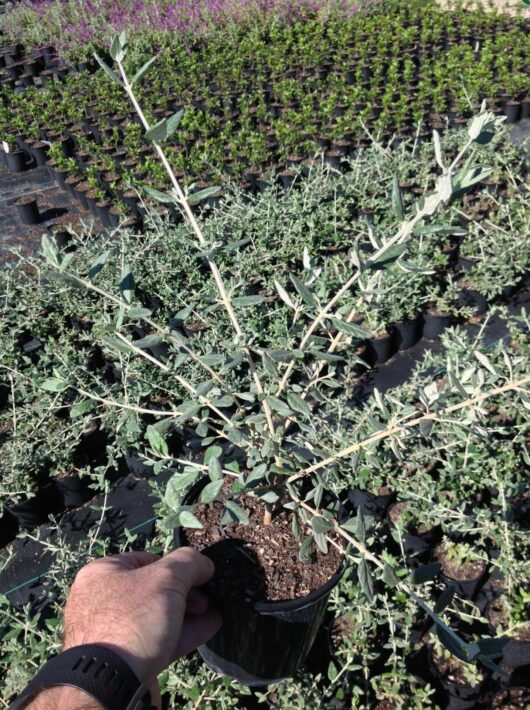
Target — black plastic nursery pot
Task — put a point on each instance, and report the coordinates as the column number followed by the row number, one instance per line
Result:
column 135, row 464
column 512, row 111
column 466, row 588
column 16, row 161
column 73, row 490
column 472, row 299
column 61, row 238
column 458, row 696
column 27, row 210
column 264, row 642
column 408, row 333
column 8, row 528
column 434, row 324
column 516, row 654
column 380, row 349
column 35, row 511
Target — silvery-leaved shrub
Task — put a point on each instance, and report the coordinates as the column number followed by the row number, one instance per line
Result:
column 275, row 409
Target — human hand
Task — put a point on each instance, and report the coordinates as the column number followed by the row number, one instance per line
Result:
column 144, row 607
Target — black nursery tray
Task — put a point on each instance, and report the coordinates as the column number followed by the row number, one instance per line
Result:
column 54, row 204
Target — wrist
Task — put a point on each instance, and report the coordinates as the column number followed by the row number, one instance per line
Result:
column 64, row 697
column 138, row 667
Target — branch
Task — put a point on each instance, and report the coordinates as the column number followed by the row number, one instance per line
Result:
column 402, row 428
column 202, row 241
column 152, row 324
column 367, row 555
column 402, row 235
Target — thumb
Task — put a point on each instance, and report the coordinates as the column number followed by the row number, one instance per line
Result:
column 190, row 567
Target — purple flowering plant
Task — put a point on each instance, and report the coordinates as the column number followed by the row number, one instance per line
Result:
column 77, row 28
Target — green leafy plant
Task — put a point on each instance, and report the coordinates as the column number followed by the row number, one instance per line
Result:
column 269, row 413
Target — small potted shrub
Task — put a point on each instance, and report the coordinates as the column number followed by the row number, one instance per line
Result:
column 461, row 682
column 462, row 566
column 508, row 616
column 257, row 486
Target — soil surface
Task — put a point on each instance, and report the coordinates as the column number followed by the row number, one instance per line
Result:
column 340, row 629
column 450, row 669
column 497, row 618
column 259, row 563
column 461, row 573
column 513, row 699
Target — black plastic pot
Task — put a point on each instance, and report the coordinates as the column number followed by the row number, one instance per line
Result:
column 512, row 111
column 262, row 184
column 466, row 588
column 74, row 491
column 416, row 546
column 457, row 696
column 27, row 210
column 16, row 161
column 286, row 178
column 407, row 333
column 520, row 678
column 434, row 324
column 333, row 158
column 380, row 349
column 33, row 512
column 260, row 643
column 472, row 299
column 8, row 528
column 135, row 464
column 515, row 654
column 39, row 153
column 370, row 504
column 463, row 263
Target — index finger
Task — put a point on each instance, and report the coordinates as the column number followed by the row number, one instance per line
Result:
column 191, row 568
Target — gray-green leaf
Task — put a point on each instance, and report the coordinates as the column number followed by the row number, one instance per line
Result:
column 54, row 385
column 397, row 199
column 246, row 301
column 203, row 194
column 81, row 408
column 159, row 196
column 212, row 452
column 320, row 525
column 99, row 264
column 351, row 329
column 234, row 513
column 297, row 404
column 365, row 580
column 108, row 71
column 50, row 251
column 188, row 520
column 157, row 442
column 425, row 573
column 304, row 292
column 127, row 285
column 142, row 71
column 211, row 491
column 214, row 469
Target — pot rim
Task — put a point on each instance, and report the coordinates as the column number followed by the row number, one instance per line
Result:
column 267, row 607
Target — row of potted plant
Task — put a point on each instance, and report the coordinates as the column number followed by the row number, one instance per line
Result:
column 295, row 103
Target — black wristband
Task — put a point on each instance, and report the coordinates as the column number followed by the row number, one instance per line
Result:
column 96, row 670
